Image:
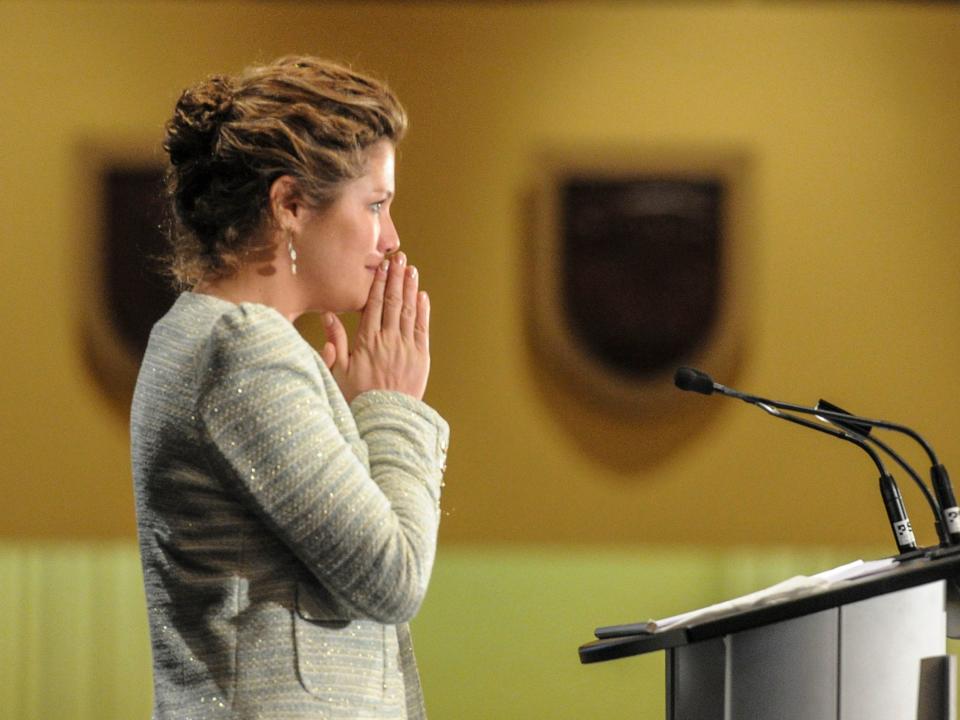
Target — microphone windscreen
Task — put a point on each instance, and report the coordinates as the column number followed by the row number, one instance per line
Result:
column 693, row 380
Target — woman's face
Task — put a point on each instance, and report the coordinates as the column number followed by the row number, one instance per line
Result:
column 340, row 247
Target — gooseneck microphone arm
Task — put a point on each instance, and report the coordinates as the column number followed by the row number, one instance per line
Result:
column 939, row 512
column 892, row 500
column 945, row 508
column 771, row 409
column 697, row 381
column 946, row 512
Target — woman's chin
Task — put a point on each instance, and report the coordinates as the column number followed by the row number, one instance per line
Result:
column 345, row 303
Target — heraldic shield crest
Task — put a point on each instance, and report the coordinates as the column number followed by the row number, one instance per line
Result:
column 120, row 288
column 641, row 266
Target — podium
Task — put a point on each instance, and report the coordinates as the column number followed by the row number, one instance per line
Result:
column 871, row 648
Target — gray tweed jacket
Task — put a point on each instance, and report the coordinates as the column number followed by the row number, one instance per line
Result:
column 286, row 537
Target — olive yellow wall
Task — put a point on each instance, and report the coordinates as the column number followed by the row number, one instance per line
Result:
column 850, row 112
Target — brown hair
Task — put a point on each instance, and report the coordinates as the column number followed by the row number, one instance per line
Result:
column 230, row 138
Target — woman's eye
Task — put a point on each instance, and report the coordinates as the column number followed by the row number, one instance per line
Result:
column 377, row 206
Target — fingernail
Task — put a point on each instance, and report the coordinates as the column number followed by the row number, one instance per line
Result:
column 328, row 319
column 401, row 259
column 413, row 272
column 384, row 265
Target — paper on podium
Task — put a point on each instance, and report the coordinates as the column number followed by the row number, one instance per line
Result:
column 794, row 587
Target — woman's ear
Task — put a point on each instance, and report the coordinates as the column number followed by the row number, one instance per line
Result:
column 286, row 203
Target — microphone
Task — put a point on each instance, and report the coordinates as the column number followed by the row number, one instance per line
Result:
column 696, row 381
column 948, row 503
column 945, row 508
column 948, row 514
column 892, row 500
column 897, row 514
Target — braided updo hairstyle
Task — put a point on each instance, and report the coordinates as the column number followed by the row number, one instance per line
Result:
column 231, row 137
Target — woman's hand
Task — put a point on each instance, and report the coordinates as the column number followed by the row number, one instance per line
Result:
column 392, row 347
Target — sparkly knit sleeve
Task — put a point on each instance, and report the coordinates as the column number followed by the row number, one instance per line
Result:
column 368, row 536
column 406, row 439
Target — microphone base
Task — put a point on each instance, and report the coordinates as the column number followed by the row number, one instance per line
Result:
column 912, row 554
column 943, row 551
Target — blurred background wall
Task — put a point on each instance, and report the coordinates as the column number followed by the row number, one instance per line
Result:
column 851, row 115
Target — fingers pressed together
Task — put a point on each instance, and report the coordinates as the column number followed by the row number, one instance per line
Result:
column 392, row 345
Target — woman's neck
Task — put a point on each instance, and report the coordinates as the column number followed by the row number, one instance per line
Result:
column 260, row 283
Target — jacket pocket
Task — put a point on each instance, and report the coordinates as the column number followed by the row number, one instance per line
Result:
column 349, row 665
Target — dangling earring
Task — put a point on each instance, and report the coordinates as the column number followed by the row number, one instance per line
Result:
column 293, row 253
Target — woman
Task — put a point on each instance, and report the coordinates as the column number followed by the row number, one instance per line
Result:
column 287, row 501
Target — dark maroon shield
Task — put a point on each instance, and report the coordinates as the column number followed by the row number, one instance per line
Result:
column 641, row 268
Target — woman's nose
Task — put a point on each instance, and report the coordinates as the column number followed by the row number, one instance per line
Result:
column 389, row 239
